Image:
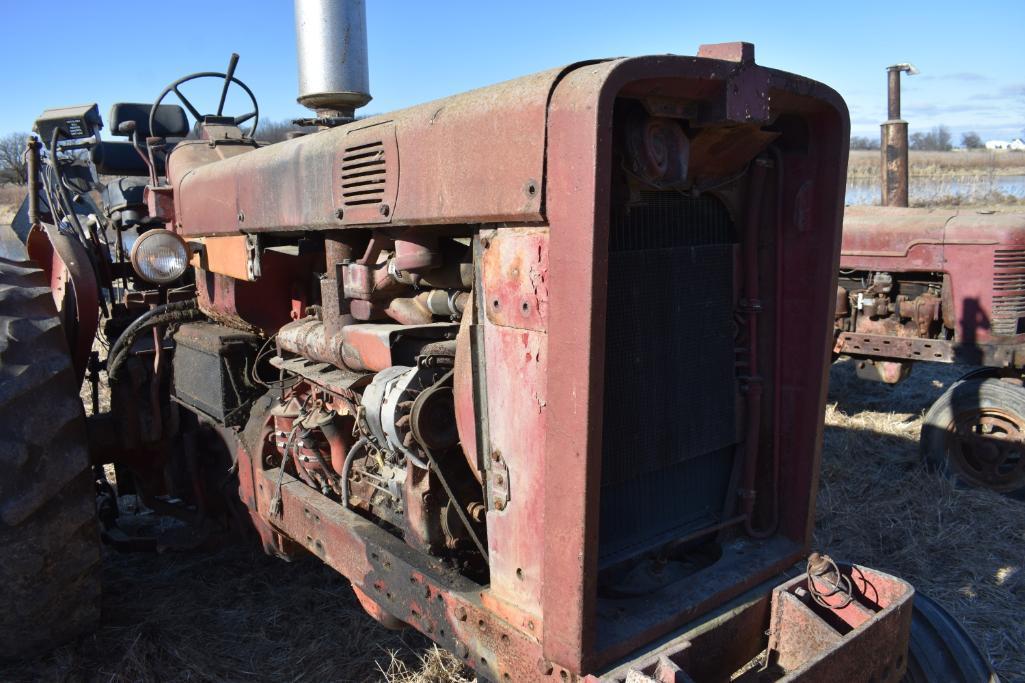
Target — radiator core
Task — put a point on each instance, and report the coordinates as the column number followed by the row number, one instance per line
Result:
column 670, row 407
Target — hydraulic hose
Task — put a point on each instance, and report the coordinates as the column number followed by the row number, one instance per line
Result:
column 181, row 311
column 63, row 191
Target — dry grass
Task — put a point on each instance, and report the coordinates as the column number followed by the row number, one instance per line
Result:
column 979, row 179
column 865, row 164
column 11, row 197
column 878, row 506
column 234, row 615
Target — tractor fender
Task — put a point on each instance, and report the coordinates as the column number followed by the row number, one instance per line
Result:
column 67, row 266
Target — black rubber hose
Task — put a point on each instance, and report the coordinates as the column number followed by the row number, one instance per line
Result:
column 140, row 322
column 63, row 192
column 347, row 468
column 116, row 361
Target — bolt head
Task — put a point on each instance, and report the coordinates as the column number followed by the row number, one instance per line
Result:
column 499, row 504
column 384, row 209
column 544, row 668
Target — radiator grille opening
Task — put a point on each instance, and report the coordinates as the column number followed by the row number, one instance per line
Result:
column 1008, row 292
column 670, row 414
column 364, row 174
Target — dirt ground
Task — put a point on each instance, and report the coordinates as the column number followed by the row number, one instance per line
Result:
column 239, row 615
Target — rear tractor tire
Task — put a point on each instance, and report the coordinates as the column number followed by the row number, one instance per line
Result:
column 49, row 540
column 940, row 650
column 975, row 433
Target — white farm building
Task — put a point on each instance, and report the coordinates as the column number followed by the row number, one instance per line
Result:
column 1015, row 145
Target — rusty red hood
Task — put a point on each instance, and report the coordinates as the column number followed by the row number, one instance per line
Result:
column 475, row 157
column 478, row 157
column 903, row 239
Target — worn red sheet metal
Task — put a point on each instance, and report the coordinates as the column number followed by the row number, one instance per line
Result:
column 883, row 238
column 471, row 158
column 577, row 208
column 980, row 252
column 516, row 344
column 281, row 292
column 515, row 278
column 807, row 641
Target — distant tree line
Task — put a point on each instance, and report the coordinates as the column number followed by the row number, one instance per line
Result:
column 276, row 131
column 861, row 143
column 12, row 159
column 938, row 139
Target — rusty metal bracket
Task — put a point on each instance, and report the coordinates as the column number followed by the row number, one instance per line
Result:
column 498, row 482
column 253, row 256
column 936, row 350
column 478, row 362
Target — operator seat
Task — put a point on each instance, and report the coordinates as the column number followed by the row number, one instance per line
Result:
column 123, row 197
column 121, row 158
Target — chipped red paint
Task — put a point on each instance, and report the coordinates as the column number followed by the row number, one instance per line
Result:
column 516, row 278
column 850, row 640
column 406, row 586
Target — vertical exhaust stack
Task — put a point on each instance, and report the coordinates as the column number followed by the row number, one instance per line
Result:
column 331, row 39
column 894, row 142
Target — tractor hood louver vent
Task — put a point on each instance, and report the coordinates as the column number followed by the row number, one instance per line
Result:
column 364, row 174
column 367, row 175
column 1008, row 291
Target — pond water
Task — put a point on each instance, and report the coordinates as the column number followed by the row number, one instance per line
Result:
column 923, row 189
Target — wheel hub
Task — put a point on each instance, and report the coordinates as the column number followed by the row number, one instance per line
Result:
column 986, row 446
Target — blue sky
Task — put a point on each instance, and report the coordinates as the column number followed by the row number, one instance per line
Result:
column 971, row 55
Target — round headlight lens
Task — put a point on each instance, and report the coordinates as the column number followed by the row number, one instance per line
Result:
column 160, row 256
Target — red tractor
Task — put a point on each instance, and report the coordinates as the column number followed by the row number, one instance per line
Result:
column 540, row 368
column 947, row 287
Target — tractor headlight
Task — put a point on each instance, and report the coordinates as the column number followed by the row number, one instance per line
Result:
column 160, row 256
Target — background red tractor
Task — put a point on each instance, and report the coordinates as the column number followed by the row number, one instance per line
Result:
column 944, row 286
column 947, row 287
column 540, row 368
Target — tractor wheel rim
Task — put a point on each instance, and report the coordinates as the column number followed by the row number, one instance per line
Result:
column 986, row 447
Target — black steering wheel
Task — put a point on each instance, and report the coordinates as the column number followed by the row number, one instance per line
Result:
column 228, row 79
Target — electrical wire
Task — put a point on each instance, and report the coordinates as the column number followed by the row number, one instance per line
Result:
column 281, row 383
column 275, row 503
column 69, row 209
